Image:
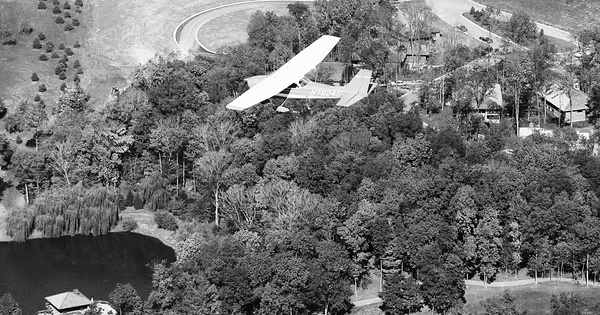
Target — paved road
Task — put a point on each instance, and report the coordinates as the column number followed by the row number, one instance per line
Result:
column 367, row 302
column 185, row 34
column 451, row 11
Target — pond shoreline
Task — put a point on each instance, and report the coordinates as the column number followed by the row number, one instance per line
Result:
column 144, row 218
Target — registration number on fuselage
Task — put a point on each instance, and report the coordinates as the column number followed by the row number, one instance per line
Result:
column 326, row 93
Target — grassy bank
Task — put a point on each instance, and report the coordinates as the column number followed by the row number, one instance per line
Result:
column 569, row 15
column 146, row 226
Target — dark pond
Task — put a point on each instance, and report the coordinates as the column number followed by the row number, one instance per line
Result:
column 38, row 268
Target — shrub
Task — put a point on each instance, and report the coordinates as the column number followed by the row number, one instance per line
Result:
column 77, row 64
column 37, row 98
column 42, row 5
column 76, row 79
column 63, row 87
column 56, row 10
column 59, row 20
column 129, row 224
column 37, row 44
column 42, row 88
column 76, row 45
column 79, row 3
column 55, row 2
column 49, row 47
column 43, row 57
column 69, row 27
column 75, row 22
column 165, row 220
column 18, row 140
column 10, row 42
column 66, row 6
column 58, row 70
column 69, row 51
column 54, row 55
column 62, row 76
column 64, row 59
column 138, row 203
column 26, row 29
column 41, row 36
column 3, row 109
column 34, row 77
column 78, row 11
column 61, row 46
column 67, row 15
column 80, row 71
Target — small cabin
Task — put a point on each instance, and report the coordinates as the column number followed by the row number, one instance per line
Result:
column 73, row 303
column 492, row 105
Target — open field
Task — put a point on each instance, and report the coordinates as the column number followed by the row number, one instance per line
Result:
column 569, row 16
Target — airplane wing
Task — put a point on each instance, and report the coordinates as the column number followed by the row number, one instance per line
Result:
column 291, row 72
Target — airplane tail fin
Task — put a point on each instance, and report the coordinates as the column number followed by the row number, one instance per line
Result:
column 361, row 86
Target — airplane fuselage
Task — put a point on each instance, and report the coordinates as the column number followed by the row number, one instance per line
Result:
column 306, row 89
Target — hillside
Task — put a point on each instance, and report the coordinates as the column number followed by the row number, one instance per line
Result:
column 569, row 15
column 115, row 35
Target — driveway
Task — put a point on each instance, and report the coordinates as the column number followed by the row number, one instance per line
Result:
column 451, row 11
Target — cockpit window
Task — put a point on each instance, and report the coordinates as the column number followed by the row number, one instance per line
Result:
column 303, row 82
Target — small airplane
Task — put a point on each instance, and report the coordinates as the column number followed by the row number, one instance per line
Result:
column 289, row 81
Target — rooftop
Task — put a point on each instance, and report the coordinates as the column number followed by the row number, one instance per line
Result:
column 68, row 300
column 560, row 99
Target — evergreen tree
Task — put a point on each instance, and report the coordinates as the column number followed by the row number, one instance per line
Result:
column 138, row 203
column 8, row 305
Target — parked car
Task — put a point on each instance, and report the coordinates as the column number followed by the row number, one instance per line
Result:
column 486, row 39
column 462, row 28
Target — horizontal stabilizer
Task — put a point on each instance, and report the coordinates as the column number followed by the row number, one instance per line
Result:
column 350, row 99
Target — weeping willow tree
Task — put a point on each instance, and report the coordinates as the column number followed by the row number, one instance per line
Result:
column 154, row 192
column 20, row 223
column 76, row 210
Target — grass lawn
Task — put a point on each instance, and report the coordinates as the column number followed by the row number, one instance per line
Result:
column 569, row 16
column 230, row 29
column 534, row 298
column 146, row 226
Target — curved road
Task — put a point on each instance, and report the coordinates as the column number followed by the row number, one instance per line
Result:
column 185, row 34
column 451, row 11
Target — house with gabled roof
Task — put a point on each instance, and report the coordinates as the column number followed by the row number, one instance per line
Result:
column 563, row 107
column 491, row 106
